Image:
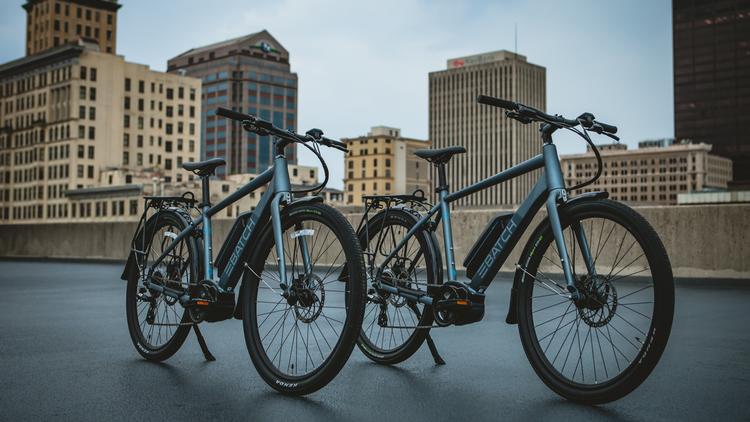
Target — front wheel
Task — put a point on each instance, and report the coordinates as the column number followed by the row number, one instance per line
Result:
column 601, row 347
column 300, row 339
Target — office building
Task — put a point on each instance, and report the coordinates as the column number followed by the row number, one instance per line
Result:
column 51, row 23
column 251, row 74
column 68, row 114
column 650, row 175
column 492, row 141
column 119, row 195
column 383, row 162
column 711, row 40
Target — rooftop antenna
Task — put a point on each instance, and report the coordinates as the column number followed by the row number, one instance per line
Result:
column 515, row 30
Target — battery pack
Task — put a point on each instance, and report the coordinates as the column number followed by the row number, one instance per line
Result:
column 485, row 242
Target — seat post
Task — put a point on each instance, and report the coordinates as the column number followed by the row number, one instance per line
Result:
column 445, row 218
column 442, row 183
column 205, row 205
column 206, row 202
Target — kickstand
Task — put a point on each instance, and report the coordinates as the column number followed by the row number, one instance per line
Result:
column 435, row 355
column 430, row 342
column 202, row 342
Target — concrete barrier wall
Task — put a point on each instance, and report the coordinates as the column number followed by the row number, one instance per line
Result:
column 702, row 240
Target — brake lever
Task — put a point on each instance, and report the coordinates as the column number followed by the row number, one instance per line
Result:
column 515, row 116
column 615, row 137
column 252, row 127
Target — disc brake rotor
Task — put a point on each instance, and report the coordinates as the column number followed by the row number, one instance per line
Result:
column 310, row 298
column 598, row 302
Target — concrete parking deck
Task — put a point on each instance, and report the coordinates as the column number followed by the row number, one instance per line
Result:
column 65, row 354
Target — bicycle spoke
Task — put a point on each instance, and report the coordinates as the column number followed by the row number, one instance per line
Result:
column 600, row 335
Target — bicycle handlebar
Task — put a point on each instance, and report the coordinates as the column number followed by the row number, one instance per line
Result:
column 526, row 114
column 608, row 128
column 497, row 102
column 231, row 114
column 254, row 124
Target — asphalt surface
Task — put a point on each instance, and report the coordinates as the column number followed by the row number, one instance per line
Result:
column 65, row 354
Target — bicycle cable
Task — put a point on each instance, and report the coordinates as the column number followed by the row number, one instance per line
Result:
column 320, row 186
column 599, row 164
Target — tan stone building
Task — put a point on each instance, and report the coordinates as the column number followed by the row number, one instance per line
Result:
column 119, row 195
column 51, row 23
column 68, row 113
column 492, row 141
column 651, row 175
column 383, row 162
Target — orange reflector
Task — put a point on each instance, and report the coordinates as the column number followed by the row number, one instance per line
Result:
column 201, row 303
column 462, row 302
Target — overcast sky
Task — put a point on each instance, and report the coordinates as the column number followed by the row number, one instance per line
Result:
column 362, row 64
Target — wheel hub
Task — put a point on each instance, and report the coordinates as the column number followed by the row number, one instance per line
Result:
column 598, row 300
column 307, row 295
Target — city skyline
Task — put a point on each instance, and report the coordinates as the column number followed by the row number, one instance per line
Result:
column 357, row 73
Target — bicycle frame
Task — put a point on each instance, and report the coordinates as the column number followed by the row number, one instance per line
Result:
column 270, row 203
column 549, row 190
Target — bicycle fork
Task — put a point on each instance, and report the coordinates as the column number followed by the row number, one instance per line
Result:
column 558, row 195
column 299, row 235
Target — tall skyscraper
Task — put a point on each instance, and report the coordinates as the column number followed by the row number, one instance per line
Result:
column 73, row 113
column 712, row 77
column 492, row 141
column 249, row 74
column 51, row 23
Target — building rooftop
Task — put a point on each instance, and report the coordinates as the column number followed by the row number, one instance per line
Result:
column 642, row 151
column 104, row 190
column 255, row 39
column 218, row 44
column 482, row 58
column 51, row 55
column 102, row 4
column 384, row 131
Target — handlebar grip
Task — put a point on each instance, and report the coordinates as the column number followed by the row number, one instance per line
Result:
column 497, row 102
column 608, row 128
column 335, row 142
column 231, row 114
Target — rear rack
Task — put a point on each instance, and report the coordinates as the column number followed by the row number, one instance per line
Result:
column 187, row 200
column 152, row 205
column 416, row 200
column 415, row 203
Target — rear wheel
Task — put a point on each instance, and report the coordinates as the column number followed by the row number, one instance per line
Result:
column 395, row 327
column 298, row 341
column 158, row 324
column 601, row 347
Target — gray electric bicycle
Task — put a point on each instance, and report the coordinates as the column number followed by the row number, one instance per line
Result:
column 593, row 294
column 302, row 292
